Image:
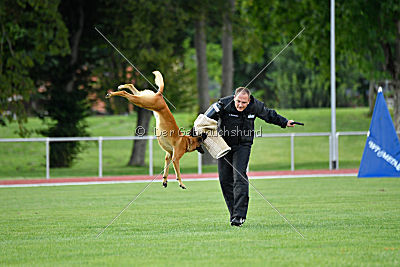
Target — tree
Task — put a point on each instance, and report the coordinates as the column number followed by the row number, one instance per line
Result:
column 380, row 43
column 152, row 39
column 227, row 48
column 199, row 12
column 367, row 32
column 68, row 80
column 252, row 45
column 30, row 31
column 200, row 42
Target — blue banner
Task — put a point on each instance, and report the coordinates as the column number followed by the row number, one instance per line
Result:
column 381, row 157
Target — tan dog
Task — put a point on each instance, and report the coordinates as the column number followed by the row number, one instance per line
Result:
column 170, row 138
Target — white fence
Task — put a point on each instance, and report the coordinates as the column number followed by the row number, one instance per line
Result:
column 100, row 140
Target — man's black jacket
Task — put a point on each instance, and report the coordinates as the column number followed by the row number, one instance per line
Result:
column 238, row 127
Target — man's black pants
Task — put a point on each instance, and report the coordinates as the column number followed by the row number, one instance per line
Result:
column 235, row 186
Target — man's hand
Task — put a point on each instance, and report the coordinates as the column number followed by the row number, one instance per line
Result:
column 289, row 123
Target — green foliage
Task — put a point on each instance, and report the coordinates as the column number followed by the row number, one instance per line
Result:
column 363, row 46
column 67, row 111
column 67, row 80
column 214, row 68
column 30, row 31
column 152, row 40
column 251, row 38
column 304, row 67
column 298, row 86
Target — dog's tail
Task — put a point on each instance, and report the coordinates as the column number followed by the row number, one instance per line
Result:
column 159, row 81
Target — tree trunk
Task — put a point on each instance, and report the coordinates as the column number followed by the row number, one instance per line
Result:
column 62, row 154
column 139, row 146
column 371, row 96
column 392, row 65
column 202, row 73
column 396, row 80
column 396, row 109
column 76, row 37
column 227, row 51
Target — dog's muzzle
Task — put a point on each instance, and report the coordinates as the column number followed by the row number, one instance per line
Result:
column 200, row 149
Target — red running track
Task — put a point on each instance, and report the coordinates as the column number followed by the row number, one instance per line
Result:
column 205, row 176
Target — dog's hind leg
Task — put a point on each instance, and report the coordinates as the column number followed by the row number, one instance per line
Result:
column 130, row 87
column 118, row 93
column 134, row 99
column 166, row 168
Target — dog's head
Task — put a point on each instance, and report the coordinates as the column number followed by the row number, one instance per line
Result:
column 195, row 143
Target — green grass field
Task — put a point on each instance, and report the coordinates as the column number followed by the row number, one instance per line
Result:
column 346, row 222
column 27, row 160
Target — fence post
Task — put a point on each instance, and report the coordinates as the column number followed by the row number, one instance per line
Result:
column 47, row 158
column 100, row 156
column 151, row 155
column 199, row 163
column 330, row 151
column 337, row 150
column 292, row 152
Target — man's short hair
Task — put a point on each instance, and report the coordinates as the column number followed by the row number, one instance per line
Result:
column 242, row 90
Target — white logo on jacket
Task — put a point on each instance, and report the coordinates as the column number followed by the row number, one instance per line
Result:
column 233, row 115
column 251, row 116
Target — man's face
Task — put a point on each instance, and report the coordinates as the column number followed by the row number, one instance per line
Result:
column 241, row 101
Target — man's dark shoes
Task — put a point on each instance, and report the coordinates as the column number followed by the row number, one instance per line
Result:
column 237, row 221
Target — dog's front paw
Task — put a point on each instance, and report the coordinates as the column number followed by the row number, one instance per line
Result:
column 182, row 186
column 165, row 184
column 108, row 95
